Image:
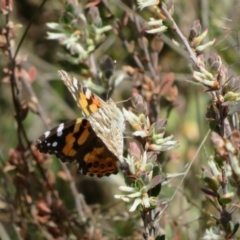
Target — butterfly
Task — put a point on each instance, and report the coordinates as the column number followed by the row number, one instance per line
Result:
column 95, row 142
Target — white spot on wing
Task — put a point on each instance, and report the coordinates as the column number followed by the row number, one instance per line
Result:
column 54, row 144
column 88, row 93
column 75, row 83
column 60, row 130
column 46, row 134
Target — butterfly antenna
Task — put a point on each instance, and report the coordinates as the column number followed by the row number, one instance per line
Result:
column 126, row 100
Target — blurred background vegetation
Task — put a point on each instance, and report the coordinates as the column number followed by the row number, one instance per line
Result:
column 189, row 213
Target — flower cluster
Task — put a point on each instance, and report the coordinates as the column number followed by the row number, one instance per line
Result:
column 78, row 34
column 151, row 136
column 196, row 36
column 147, row 3
column 144, row 177
column 224, row 166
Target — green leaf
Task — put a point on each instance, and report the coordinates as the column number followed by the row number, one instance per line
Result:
column 162, row 237
column 148, row 167
column 236, row 226
column 155, row 185
column 168, row 23
column 156, row 170
column 211, row 183
column 226, row 199
column 139, row 184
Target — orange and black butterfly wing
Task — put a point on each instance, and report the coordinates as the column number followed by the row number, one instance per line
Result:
column 76, row 141
column 86, row 100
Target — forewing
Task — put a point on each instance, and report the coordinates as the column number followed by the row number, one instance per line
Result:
column 86, row 100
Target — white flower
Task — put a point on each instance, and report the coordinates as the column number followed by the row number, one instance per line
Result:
column 213, row 234
column 157, row 30
column 146, row 3
column 200, row 48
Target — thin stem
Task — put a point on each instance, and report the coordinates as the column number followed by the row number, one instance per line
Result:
column 28, row 27
column 145, row 226
column 144, row 45
column 179, row 33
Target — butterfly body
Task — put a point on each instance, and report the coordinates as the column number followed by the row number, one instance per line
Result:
column 96, row 141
